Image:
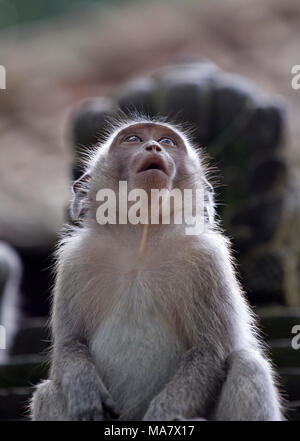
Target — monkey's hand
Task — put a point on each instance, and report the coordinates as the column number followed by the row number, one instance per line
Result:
column 192, row 391
column 168, row 406
column 89, row 400
column 161, row 409
column 85, row 395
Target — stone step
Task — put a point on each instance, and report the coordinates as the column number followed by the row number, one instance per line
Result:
column 290, row 381
column 283, row 355
column 14, row 403
column 23, row 371
column 14, row 400
column 277, row 322
column 293, row 413
column 31, row 338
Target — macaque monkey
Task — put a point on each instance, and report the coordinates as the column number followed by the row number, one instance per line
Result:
column 149, row 322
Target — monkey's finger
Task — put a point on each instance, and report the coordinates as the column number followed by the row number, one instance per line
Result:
column 110, row 408
column 92, row 415
column 98, row 416
column 111, row 413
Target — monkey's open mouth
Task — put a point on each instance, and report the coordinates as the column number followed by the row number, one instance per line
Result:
column 153, row 164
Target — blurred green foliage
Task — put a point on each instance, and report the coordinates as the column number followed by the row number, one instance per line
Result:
column 14, row 12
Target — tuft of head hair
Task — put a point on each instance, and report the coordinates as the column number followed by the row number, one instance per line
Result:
column 117, row 122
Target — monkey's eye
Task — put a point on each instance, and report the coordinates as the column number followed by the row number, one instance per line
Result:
column 133, row 138
column 168, row 141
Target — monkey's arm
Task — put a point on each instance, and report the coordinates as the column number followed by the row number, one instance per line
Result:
column 249, row 393
column 193, row 390
column 204, row 387
column 72, row 367
column 237, row 386
column 85, row 394
column 74, row 390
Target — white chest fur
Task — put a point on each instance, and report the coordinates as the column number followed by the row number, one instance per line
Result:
column 134, row 308
column 136, row 354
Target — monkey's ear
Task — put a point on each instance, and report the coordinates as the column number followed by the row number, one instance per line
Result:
column 79, row 203
column 209, row 200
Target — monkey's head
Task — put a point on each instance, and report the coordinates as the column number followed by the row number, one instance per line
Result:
column 147, row 155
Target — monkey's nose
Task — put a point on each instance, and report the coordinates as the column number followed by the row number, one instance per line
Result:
column 153, row 147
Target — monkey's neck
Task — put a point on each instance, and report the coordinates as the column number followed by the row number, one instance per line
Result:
column 145, row 237
column 144, row 240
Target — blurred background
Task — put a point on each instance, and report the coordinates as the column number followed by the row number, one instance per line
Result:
column 225, row 68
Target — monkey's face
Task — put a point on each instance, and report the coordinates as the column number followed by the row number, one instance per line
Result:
column 147, row 156
column 150, row 156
